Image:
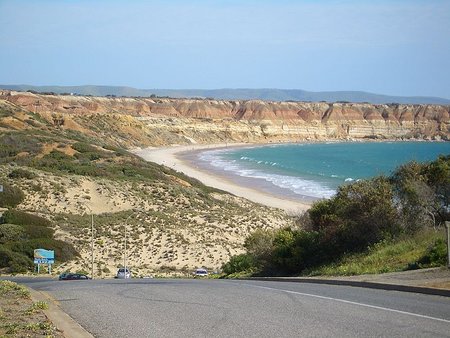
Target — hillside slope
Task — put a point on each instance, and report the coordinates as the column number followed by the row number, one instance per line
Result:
column 180, row 223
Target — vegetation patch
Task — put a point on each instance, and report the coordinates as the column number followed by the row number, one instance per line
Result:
column 11, row 196
column 20, row 317
column 21, row 233
column 408, row 252
column 24, row 218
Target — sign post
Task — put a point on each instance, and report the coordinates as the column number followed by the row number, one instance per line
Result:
column 42, row 256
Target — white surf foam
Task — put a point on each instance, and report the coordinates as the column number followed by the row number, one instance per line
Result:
column 294, row 184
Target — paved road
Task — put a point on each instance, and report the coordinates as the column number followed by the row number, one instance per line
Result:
column 220, row 308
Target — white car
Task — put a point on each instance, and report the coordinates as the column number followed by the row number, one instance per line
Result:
column 123, row 273
column 200, row 273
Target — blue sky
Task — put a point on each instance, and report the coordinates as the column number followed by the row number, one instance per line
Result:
column 389, row 47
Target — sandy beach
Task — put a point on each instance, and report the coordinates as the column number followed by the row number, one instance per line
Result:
column 168, row 156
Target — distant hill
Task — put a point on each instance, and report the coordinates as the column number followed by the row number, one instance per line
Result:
column 236, row 94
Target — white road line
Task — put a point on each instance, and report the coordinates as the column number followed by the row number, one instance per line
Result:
column 350, row 302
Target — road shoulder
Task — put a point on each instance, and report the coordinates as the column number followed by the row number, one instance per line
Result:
column 64, row 323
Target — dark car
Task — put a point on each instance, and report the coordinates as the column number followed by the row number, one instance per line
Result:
column 73, row 276
column 63, row 275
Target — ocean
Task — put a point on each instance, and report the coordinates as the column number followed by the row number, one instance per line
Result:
column 310, row 171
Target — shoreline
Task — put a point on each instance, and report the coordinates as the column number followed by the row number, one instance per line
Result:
column 169, row 157
column 184, row 158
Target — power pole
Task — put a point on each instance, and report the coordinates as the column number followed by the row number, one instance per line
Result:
column 92, row 241
column 447, row 225
column 92, row 245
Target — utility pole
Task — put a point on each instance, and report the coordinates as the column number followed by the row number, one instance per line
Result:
column 92, row 241
column 447, row 225
column 92, row 245
column 125, row 249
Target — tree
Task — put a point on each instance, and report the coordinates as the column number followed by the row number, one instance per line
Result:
column 359, row 214
column 260, row 245
column 422, row 193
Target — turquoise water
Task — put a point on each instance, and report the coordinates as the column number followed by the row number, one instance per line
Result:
column 317, row 169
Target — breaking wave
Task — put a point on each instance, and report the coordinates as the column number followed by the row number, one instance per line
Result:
column 297, row 185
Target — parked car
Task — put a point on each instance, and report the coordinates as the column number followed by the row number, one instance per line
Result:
column 123, row 273
column 63, row 275
column 201, row 273
column 73, row 276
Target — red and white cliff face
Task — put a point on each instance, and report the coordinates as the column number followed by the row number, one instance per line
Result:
column 252, row 120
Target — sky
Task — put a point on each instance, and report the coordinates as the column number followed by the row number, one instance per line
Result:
column 393, row 47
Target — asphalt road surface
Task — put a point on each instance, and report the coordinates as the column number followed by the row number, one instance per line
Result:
column 221, row 308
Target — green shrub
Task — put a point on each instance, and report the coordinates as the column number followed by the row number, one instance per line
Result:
column 360, row 214
column 24, row 218
column 20, row 264
column 14, row 261
column 11, row 233
column 10, row 196
column 14, row 143
column 33, row 231
column 296, row 250
column 5, row 256
column 239, row 263
column 21, row 173
column 259, row 245
column 436, row 254
column 83, row 147
column 88, row 152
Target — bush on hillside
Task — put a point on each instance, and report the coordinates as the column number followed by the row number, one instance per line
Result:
column 15, row 142
column 83, row 147
column 14, row 232
column 259, row 245
column 87, row 152
column 11, row 233
column 436, row 255
column 20, row 264
column 24, row 218
column 359, row 215
column 33, row 231
column 21, row 173
column 27, row 233
column 422, row 193
column 10, row 196
column 63, row 251
column 239, row 263
column 296, row 250
column 15, row 262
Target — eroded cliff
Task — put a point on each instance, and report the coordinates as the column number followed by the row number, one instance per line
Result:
column 162, row 121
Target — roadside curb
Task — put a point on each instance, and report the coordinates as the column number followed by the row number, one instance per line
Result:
column 363, row 284
column 69, row 327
